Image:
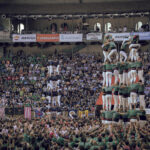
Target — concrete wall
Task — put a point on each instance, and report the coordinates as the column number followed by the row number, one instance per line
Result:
column 39, row 50
column 89, row 49
column 5, row 24
column 43, row 24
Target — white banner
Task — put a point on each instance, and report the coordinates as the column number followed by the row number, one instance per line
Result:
column 119, row 36
column 142, row 35
column 24, row 37
column 71, row 37
column 147, row 111
column 94, row 36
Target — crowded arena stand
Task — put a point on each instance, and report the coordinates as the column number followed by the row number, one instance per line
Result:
column 75, row 75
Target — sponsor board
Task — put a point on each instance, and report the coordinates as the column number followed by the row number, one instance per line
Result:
column 47, row 37
column 24, row 37
column 142, row 35
column 94, row 36
column 71, row 37
column 147, row 111
column 119, row 36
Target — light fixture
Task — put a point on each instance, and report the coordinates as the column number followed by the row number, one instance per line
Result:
column 3, row 16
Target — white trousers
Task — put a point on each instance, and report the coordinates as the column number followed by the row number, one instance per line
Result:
column 108, row 78
column 142, row 101
column 113, row 51
column 58, row 81
column 108, row 101
column 129, row 103
column 50, row 85
column 104, row 78
column 57, row 69
column 115, row 102
column 133, row 97
column 49, row 99
column 140, row 75
column 50, row 70
column 121, row 78
column 123, row 55
column 125, row 103
column 58, row 99
column 125, row 78
column 133, row 76
column 105, row 55
column 104, row 101
column 116, row 74
column 54, row 100
column 134, row 54
column 129, row 77
column 120, row 101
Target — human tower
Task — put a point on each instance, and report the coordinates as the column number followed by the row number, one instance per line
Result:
column 126, row 66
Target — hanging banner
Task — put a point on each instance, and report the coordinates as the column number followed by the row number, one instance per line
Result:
column 119, row 36
column 142, row 35
column 94, row 36
column 147, row 111
column 14, row 110
column 27, row 113
column 24, row 37
column 47, row 37
column 71, row 37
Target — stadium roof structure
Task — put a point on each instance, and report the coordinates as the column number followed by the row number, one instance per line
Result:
column 46, row 7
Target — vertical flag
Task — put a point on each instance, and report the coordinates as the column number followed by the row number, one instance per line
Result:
column 27, row 113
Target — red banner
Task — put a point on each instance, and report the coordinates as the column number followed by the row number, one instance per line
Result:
column 47, row 37
column 27, row 113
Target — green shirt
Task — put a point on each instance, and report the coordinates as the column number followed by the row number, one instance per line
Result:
column 106, row 47
column 141, row 113
column 116, row 115
column 124, row 46
column 87, row 145
column 121, row 67
column 141, row 88
column 134, row 87
column 60, row 141
column 139, row 64
column 124, row 90
column 132, row 113
column 109, row 67
column 125, row 115
column 116, row 88
column 109, row 114
column 112, row 45
column 104, row 68
column 108, row 89
column 133, row 65
column 93, row 147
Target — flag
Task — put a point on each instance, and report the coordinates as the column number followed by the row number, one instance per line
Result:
column 38, row 112
column 27, row 113
column 2, row 112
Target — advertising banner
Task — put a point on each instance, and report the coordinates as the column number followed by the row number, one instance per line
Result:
column 47, row 37
column 94, row 36
column 24, row 37
column 14, row 110
column 71, row 37
column 119, row 36
column 147, row 111
column 142, row 35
